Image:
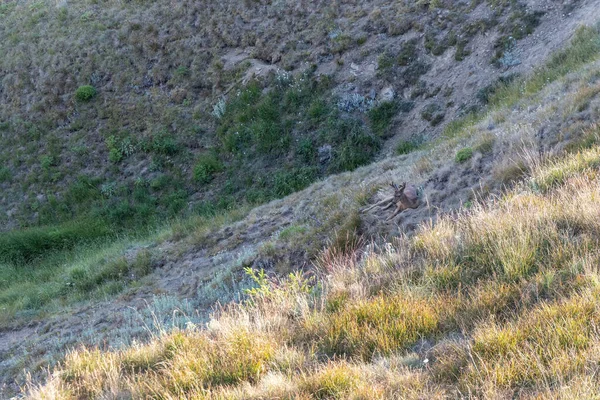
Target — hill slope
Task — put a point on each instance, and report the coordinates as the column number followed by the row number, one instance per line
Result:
column 460, row 307
column 499, row 300
column 159, row 159
column 133, row 114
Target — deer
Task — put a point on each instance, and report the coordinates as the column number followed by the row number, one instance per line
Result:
column 404, row 197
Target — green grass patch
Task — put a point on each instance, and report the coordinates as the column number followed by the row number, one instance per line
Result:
column 24, row 246
column 381, row 117
column 85, row 93
column 463, row 155
column 408, row 146
column 5, row 174
column 206, row 167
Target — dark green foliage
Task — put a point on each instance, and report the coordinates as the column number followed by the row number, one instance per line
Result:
column 385, row 61
column 23, row 246
column 414, row 71
column 5, row 174
column 523, row 23
column 435, row 45
column 269, row 140
column 357, row 148
column 464, row 154
column 120, row 269
column 488, row 92
column 85, row 93
column 318, row 109
column 164, row 143
column 306, row 150
column 290, row 181
column 408, row 146
column 461, row 51
column 408, row 53
column 206, row 167
column 381, row 116
column 48, row 161
column 520, row 24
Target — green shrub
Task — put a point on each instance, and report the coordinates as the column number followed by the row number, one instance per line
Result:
column 318, row 109
column 23, row 246
column 115, row 155
column 464, row 154
column 85, row 93
column 47, row 161
column 206, row 167
column 290, row 181
column 407, row 146
column 356, row 147
column 381, row 116
column 5, row 174
column 165, row 143
column 408, row 53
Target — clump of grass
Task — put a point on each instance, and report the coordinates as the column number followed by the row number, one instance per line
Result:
column 377, row 326
column 85, row 93
column 433, row 113
column 192, row 362
column 406, row 147
column 332, row 381
column 552, row 340
column 486, row 143
column 24, row 246
column 558, row 171
column 206, row 167
column 463, row 155
column 5, row 174
column 381, row 117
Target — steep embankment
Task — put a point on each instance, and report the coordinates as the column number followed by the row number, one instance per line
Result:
column 507, row 268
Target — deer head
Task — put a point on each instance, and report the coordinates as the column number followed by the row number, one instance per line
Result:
column 398, row 189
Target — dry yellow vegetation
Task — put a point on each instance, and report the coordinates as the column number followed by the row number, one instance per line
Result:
column 497, row 301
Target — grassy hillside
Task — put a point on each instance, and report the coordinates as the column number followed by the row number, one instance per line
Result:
column 499, row 300
column 136, row 114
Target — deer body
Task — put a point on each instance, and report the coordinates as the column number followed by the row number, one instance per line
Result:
column 404, row 197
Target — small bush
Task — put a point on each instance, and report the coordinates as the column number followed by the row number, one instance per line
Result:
column 381, row 117
column 463, row 155
column 287, row 182
column 486, row 143
column 408, row 53
column 115, row 155
column 332, row 382
column 85, row 93
column 407, row 146
column 165, row 144
column 206, row 167
column 5, row 174
column 47, row 161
